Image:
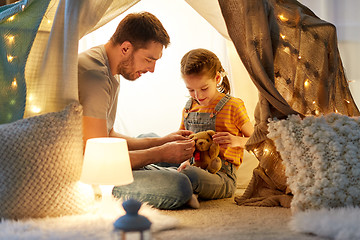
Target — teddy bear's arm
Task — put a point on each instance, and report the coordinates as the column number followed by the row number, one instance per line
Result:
column 214, row 150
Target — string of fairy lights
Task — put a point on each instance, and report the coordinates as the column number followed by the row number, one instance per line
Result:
column 307, row 82
column 11, row 93
column 14, row 87
column 16, row 43
column 267, row 149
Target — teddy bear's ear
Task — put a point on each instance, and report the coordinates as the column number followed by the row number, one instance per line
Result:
column 210, row 132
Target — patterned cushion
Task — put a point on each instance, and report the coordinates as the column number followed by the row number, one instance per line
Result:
column 41, row 159
column 322, row 159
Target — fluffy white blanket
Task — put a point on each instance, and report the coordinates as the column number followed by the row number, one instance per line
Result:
column 95, row 225
column 338, row 223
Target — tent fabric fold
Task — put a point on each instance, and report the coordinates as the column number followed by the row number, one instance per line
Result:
column 293, row 59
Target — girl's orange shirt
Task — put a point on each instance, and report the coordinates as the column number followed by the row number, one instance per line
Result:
column 230, row 119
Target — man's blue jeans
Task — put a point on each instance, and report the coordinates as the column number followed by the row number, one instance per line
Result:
column 161, row 187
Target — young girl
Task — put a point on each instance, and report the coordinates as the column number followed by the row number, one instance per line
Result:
column 211, row 107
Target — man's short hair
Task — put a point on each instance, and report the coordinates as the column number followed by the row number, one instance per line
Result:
column 139, row 29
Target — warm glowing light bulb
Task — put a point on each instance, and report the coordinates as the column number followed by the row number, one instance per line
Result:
column 306, row 83
column 266, row 150
column 35, row 109
column 11, row 18
column 10, row 58
column 317, row 112
column 299, row 57
column 283, row 18
column 336, row 111
column 282, row 36
column 287, row 50
column 314, row 102
column 22, row 7
column 10, row 39
column 347, row 101
column 14, row 84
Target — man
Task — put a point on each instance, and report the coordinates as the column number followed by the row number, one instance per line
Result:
column 132, row 51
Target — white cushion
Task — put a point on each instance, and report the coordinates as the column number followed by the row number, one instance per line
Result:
column 322, row 159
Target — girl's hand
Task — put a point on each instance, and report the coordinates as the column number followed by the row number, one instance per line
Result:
column 183, row 165
column 225, row 139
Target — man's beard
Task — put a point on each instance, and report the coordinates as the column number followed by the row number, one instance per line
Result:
column 125, row 68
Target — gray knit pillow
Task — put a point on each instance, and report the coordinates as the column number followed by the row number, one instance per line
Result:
column 40, row 165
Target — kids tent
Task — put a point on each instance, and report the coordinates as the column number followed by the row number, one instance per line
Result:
column 290, row 54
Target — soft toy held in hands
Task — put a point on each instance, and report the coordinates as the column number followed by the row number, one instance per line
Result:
column 206, row 151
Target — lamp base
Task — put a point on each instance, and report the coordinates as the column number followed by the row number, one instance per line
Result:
column 145, row 235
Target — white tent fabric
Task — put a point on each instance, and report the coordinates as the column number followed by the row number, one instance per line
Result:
column 210, row 10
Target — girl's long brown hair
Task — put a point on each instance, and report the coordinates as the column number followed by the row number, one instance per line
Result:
column 202, row 61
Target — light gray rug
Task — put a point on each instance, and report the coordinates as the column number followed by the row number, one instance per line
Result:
column 224, row 220
column 216, row 220
column 95, row 225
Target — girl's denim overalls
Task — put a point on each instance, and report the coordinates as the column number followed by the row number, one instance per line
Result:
column 208, row 185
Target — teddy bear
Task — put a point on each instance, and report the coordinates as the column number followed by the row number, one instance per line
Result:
column 206, row 151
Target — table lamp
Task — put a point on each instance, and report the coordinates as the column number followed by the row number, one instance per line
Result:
column 107, row 163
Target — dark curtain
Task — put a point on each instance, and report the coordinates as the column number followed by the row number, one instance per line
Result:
column 292, row 58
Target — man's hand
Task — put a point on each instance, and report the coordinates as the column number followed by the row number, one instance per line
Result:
column 178, row 135
column 177, row 151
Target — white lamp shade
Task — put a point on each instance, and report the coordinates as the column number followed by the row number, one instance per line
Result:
column 106, row 162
